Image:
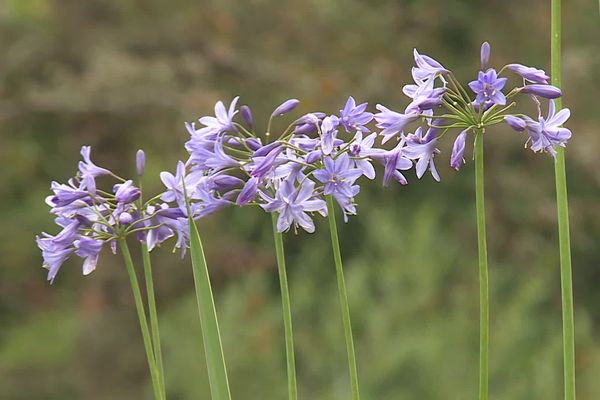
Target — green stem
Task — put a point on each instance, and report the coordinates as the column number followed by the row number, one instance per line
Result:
column 287, row 312
column 484, row 301
column 139, row 306
column 153, row 316
column 343, row 297
column 562, row 207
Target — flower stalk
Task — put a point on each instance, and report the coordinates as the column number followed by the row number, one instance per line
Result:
column 343, row 297
column 153, row 316
column 562, row 207
column 287, row 312
column 139, row 306
column 484, row 307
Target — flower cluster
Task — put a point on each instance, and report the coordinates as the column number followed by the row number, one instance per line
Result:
column 90, row 217
column 471, row 111
column 290, row 171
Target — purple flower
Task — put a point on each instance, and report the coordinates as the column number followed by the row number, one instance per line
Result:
column 485, row 55
column 328, row 132
column 488, row 88
column 392, row 122
column 285, row 107
column 221, row 122
column 427, row 68
column 529, row 73
column 140, row 162
column 88, row 249
column 545, row 91
column 174, row 184
column 422, row 148
column 339, row 177
column 56, row 249
column 361, row 149
column 292, row 204
column 394, row 161
column 89, row 171
column 126, row 192
column 547, row 133
column 458, row 150
column 354, row 118
column 425, row 97
column 248, row 193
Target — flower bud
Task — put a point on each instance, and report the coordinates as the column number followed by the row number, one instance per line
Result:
column 485, row 55
column 458, row 150
column 515, row 122
column 529, row 73
column 545, row 91
column 246, row 114
column 140, row 162
column 248, row 192
column 125, row 218
column 285, row 107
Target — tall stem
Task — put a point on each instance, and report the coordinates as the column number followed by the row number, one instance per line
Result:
column 153, row 316
column 343, row 297
column 139, row 306
column 287, row 312
column 562, row 207
column 484, row 304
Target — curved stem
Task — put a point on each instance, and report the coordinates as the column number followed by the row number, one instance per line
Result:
column 343, row 297
column 562, row 206
column 139, row 306
column 484, row 306
column 153, row 316
column 287, row 312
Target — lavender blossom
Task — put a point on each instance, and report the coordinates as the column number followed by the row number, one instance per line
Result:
column 221, row 122
column 293, row 203
column 360, row 150
column 427, row 68
column 422, row 148
column 546, row 133
column 328, row 132
column 354, row 118
column 488, row 88
column 339, row 177
column 391, row 122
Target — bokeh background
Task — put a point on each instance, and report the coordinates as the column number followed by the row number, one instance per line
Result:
column 124, row 74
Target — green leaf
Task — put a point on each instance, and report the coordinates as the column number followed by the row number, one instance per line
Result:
column 215, row 361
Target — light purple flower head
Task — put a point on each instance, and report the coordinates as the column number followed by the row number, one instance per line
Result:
column 339, row 177
column 293, row 203
column 221, row 122
column 421, row 147
column 427, row 67
column 391, row 122
column 354, row 117
column 546, row 133
column 488, row 88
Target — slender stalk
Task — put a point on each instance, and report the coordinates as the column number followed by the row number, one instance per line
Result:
column 562, row 206
column 287, row 312
column 139, row 306
column 343, row 297
column 153, row 316
column 484, row 302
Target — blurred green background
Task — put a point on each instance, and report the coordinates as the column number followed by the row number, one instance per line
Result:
column 124, row 74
